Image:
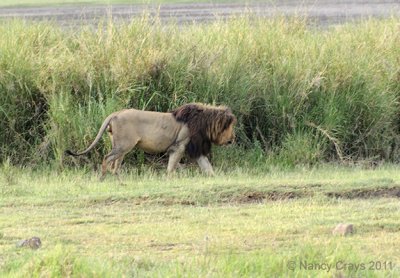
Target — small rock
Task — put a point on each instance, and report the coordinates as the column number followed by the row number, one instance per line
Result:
column 343, row 229
column 33, row 243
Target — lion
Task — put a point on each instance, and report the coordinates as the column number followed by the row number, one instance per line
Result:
column 191, row 128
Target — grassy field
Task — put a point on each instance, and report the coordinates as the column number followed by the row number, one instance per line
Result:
column 233, row 225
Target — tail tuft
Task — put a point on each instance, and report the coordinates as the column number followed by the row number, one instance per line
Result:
column 68, row 152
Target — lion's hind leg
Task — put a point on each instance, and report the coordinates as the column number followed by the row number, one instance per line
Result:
column 120, row 148
column 115, row 157
column 117, row 165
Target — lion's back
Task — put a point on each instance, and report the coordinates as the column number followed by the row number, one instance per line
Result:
column 156, row 131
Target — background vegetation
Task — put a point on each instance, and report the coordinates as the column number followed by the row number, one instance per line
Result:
column 302, row 95
column 13, row 3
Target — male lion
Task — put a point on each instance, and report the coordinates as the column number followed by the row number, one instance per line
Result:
column 191, row 128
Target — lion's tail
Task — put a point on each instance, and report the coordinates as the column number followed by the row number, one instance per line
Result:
column 96, row 140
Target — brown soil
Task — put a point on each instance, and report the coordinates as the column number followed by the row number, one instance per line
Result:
column 248, row 196
column 386, row 192
column 259, row 197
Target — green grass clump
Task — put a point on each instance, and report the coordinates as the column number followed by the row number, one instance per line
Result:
column 58, row 261
column 301, row 95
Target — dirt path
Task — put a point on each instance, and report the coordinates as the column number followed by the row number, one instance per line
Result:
column 325, row 12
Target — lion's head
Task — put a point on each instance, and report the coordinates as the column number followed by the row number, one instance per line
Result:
column 207, row 124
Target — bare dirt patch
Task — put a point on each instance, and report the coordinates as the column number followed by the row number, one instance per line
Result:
column 259, row 196
column 360, row 193
column 243, row 196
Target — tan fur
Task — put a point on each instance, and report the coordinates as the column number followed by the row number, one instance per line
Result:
column 154, row 132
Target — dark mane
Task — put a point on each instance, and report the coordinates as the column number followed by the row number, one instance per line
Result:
column 205, row 123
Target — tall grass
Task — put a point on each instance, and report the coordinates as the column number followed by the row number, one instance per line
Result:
column 301, row 95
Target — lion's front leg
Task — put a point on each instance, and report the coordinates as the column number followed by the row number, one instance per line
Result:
column 205, row 165
column 175, row 155
column 177, row 150
column 174, row 158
